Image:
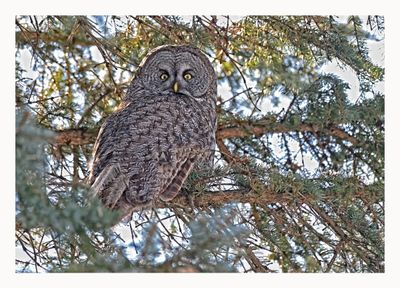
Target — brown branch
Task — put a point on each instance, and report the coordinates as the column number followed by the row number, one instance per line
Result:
column 28, row 37
column 237, row 130
column 254, row 262
column 227, row 155
column 217, row 199
column 75, row 137
column 258, row 129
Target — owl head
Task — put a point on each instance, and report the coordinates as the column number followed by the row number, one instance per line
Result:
column 176, row 69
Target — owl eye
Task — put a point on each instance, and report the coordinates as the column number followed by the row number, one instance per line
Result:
column 187, row 76
column 164, row 76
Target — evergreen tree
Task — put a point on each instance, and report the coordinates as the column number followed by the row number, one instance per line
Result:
column 299, row 179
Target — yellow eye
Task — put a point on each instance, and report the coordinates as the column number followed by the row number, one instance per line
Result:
column 164, row 76
column 187, row 76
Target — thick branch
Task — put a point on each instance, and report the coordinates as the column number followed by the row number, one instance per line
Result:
column 217, row 199
column 257, row 128
column 267, row 195
column 75, row 137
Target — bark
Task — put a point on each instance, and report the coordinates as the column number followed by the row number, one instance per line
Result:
column 257, row 128
column 75, row 137
column 217, row 199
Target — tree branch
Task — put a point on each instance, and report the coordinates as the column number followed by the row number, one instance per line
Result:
column 28, row 37
column 75, row 137
column 258, row 129
column 83, row 136
column 217, row 199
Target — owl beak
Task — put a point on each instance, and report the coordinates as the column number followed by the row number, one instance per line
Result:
column 176, row 87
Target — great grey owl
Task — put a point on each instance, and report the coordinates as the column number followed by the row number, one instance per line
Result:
column 166, row 124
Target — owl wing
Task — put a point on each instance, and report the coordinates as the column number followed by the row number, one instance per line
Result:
column 106, row 180
column 110, row 185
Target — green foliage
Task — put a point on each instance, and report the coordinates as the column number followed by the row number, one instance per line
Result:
column 68, row 221
column 209, row 239
column 30, row 172
column 298, row 183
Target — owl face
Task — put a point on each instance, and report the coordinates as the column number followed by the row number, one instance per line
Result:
column 176, row 71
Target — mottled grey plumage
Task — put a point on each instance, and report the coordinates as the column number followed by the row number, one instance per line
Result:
column 146, row 149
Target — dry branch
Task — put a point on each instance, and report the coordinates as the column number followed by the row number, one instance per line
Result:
column 88, row 136
column 75, row 137
column 217, row 199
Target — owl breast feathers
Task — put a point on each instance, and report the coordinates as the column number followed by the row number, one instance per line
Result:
column 146, row 149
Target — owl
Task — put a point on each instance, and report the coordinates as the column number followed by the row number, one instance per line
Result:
column 165, row 126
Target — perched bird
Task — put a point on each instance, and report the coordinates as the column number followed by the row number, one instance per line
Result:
column 165, row 126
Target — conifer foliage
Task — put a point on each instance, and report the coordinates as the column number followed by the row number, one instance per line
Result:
column 298, row 184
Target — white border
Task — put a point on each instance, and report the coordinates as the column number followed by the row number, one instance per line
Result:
column 187, row 7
